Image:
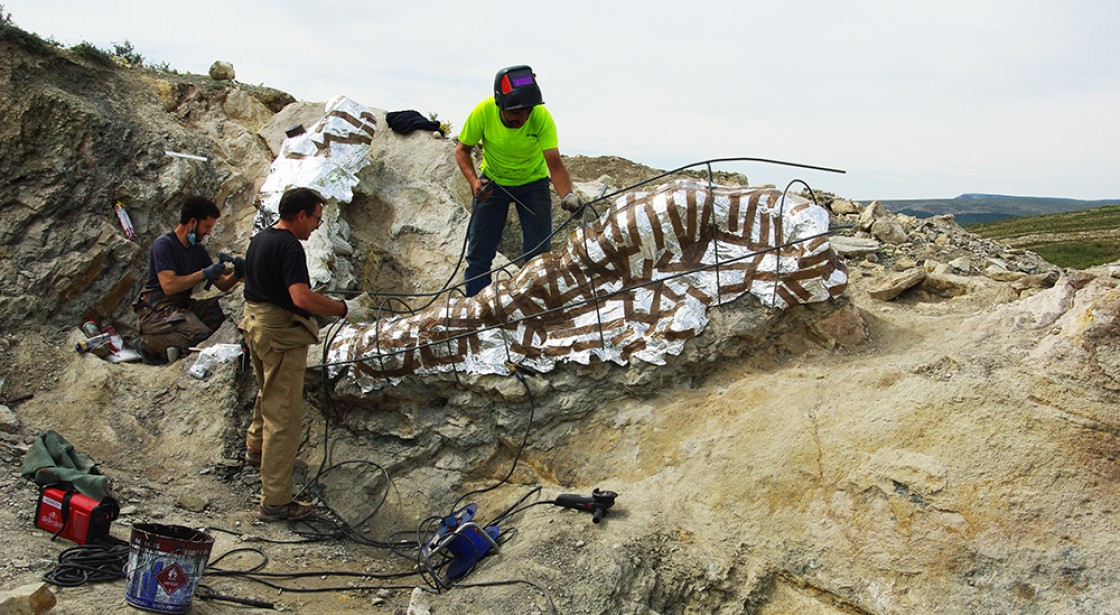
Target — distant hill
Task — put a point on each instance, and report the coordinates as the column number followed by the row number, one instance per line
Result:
column 1077, row 239
column 979, row 208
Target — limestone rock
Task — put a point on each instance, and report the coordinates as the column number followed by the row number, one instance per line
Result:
column 31, row 599
column 193, row 502
column 870, row 214
column 418, row 603
column 962, row 264
column 1036, row 281
column 849, row 247
column 222, row 71
column 8, row 421
column 843, row 206
column 888, row 231
column 300, row 112
column 239, row 104
column 895, row 284
column 1003, row 275
column 844, row 327
column 275, row 100
column 946, row 284
column 895, row 470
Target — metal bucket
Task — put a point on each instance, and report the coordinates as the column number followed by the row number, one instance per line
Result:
column 165, row 563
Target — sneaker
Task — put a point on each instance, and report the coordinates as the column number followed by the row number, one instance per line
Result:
column 292, row 511
column 172, row 354
column 252, row 456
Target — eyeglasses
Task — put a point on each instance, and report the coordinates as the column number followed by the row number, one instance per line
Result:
column 318, row 220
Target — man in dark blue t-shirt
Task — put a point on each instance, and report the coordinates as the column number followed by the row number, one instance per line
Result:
column 170, row 320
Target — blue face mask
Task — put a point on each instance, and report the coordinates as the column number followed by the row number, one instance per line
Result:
column 192, row 238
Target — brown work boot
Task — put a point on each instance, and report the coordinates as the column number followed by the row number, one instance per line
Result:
column 252, row 456
column 292, row 511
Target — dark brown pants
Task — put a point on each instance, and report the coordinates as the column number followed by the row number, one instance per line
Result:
column 165, row 325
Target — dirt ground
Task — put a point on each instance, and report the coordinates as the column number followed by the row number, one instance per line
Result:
column 154, row 487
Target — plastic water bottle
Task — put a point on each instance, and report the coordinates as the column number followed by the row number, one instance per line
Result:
column 91, row 343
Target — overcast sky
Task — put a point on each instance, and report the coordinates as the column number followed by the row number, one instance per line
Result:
column 929, row 99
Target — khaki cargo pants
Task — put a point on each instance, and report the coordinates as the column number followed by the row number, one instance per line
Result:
column 278, row 342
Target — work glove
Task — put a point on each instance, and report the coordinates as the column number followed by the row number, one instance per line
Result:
column 571, row 202
column 356, row 312
column 238, row 266
column 214, row 271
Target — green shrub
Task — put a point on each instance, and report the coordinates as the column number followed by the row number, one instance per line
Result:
column 126, row 54
column 92, row 52
column 28, row 41
column 164, row 67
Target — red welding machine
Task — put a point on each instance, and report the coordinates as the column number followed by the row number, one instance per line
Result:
column 80, row 518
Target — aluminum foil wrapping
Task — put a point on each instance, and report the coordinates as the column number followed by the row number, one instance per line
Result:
column 634, row 284
column 326, row 158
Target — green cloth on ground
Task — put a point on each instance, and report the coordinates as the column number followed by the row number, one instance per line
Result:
column 51, row 459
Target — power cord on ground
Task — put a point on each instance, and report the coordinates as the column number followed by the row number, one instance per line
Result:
column 89, row 564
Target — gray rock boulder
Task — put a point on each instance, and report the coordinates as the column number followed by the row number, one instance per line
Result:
column 870, row 214
column 222, row 71
column 888, row 231
column 8, row 421
column 851, row 247
column 31, row 599
column 895, row 284
column 842, row 207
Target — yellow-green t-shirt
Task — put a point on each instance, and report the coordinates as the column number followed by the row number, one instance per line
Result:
column 510, row 156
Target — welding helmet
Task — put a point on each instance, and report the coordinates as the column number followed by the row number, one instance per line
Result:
column 515, row 87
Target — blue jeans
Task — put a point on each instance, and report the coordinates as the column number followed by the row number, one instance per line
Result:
column 534, row 211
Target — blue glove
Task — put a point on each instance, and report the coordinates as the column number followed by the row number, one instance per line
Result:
column 238, row 266
column 214, row 271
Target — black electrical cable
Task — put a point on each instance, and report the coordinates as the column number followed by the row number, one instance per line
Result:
column 256, row 574
column 507, row 512
column 514, row 511
column 89, row 564
column 520, row 448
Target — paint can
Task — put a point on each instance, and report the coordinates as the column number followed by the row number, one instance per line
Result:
column 165, row 563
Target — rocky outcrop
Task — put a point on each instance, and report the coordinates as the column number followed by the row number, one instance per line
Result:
column 952, row 260
column 76, row 137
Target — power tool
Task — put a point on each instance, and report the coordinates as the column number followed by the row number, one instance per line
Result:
column 465, row 540
column 74, row 516
column 597, row 504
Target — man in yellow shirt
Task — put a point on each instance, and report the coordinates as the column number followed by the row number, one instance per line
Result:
column 520, row 152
